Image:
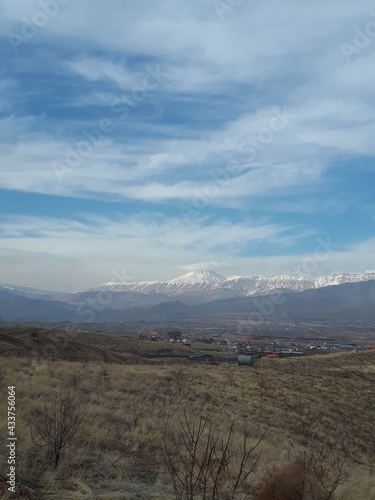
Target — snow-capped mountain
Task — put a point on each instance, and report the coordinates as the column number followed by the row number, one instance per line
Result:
column 24, row 289
column 31, row 292
column 339, row 279
column 202, row 281
column 257, row 285
column 194, row 281
column 195, row 287
column 198, row 294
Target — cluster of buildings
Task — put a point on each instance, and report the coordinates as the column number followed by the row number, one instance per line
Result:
column 253, row 345
column 168, row 336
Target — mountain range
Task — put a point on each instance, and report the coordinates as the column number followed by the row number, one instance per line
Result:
column 198, row 293
column 205, row 281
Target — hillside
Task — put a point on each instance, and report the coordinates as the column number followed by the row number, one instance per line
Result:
column 18, row 307
column 350, row 301
column 130, row 406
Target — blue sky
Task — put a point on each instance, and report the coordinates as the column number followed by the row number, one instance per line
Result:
column 143, row 139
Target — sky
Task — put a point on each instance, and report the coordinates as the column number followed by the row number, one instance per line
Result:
column 142, row 140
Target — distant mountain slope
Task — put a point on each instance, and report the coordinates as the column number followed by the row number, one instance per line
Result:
column 193, row 287
column 105, row 299
column 16, row 307
column 201, row 294
column 349, row 301
column 24, row 289
column 31, row 292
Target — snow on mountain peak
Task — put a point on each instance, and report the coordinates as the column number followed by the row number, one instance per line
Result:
column 202, row 280
column 30, row 289
column 197, row 276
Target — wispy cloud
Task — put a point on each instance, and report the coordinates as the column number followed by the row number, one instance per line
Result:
column 54, row 250
column 255, row 126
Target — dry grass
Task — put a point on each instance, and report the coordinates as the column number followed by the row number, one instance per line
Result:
column 130, row 407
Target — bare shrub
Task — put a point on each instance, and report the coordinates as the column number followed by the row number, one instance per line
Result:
column 306, row 419
column 264, row 384
column 51, row 368
column 203, row 465
column 166, row 409
column 75, row 379
column 179, row 376
column 58, row 426
column 34, row 335
column 231, row 379
column 286, row 483
column 313, row 474
column 327, row 466
column 135, row 412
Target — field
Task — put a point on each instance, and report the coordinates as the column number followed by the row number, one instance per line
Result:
column 130, row 412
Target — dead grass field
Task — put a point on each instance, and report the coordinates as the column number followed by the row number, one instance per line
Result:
column 131, row 404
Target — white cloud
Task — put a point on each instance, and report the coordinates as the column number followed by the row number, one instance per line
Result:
column 212, row 265
column 64, row 254
column 259, row 43
column 148, row 247
column 265, row 55
column 146, row 169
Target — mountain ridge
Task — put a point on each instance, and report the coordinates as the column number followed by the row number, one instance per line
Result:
column 205, row 280
column 335, row 304
column 330, row 304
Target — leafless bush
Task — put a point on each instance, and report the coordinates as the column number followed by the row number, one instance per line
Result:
column 34, row 335
column 58, row 426
column 326, row 466
column 231, row 379
column 205, row 466
column 75, row 378
column 264, row 384
column 287, row 482
column 306, row 419
column 313, row 474
column 104, row 375
column 166, row 409
column 135, row 412
column 179, row 376
column 51, row 368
